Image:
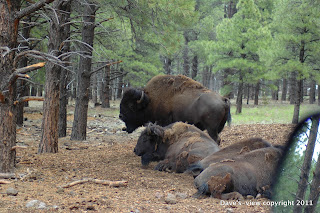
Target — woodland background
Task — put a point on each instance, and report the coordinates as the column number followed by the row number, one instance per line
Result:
column 93, row 49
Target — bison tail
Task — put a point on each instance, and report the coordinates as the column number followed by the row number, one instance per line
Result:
column 194, row 169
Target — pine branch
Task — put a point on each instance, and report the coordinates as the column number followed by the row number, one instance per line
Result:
column 32, row 8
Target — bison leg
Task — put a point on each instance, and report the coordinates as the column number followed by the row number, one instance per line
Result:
column 217, row 184
column 164, row 165
column 232, row 196
column 214, row 135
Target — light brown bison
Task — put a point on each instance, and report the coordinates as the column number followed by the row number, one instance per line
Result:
column 229, row 152
column 167, row 99
column 176, row 146
column 247, row 174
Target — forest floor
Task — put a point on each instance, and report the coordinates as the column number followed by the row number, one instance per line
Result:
column 107, row 154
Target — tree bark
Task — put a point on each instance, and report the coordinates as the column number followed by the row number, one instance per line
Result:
column 314, row 188
column 9, row 22
column 57, row 35
column 64, row 78
column 239, row 96
column 194, row 70
column 22, row 87
column 186, row 66
column 79, row 131
column 168, row 65
column 120, row 84
column 293, row 87
column 306, row 166
column 94, row 82
column 312, row 94
column 284, row 89
column 106, row 89
column 256, row 93
column 297, row 103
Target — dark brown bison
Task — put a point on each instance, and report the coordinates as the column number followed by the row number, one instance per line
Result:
column 229, row 152
column 167, row 99
column 247, row 174
column 176, row 146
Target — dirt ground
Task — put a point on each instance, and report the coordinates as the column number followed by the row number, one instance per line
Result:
column 107, row 154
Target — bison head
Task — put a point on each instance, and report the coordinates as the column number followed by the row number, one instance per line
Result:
column 150, row 146
column 132, row 109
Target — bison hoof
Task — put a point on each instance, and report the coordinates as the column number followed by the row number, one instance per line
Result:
column 124, row 129
column 163, row 167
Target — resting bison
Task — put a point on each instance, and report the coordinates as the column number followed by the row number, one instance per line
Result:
column 167, row 99
column 247, row 174
column 176, row 146
column 228, row 152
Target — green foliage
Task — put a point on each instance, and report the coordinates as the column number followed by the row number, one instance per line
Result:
column 296, row 34
column 287, row 180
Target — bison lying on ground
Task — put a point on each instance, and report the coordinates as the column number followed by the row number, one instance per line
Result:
column 176, row 146
column 167, row 99
column 247, row 174
column 231, row 151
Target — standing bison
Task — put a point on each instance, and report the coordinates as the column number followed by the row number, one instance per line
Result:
column 247, row 174
column 167, row 99
column 176, row 146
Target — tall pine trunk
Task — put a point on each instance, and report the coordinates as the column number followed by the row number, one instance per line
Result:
column 314, row 188
column 167, row 65
column 79, row 131
column 256, row 93
column 284, row 89
column 306, row 166
column 22, row 87
column 312, row 95
column 194, row 70
column 239, row 96
column 9, row 32
column 64, row 78
column 120, row 84
column 106, row 89
column 185, row 56
column 50, row 133
column 9, row 22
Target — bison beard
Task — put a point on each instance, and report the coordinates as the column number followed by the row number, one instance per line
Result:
column 167, row 99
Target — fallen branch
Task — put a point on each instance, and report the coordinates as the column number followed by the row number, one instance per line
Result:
column 18, row 147
column 97, row 181
column 7, row 175
column 28, row 98
column 4, row 182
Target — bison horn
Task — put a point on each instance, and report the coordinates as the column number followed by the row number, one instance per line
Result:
column 149, row 129
column 141, row 98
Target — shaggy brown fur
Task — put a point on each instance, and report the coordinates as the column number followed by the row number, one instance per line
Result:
column 167, row 99
column 248, row 174
column 228, row 153
column 180, row 144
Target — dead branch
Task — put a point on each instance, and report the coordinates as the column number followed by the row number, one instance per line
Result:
column 4, row 182
column 32, row 8
column 97, row 181
column 28, row 98
column 100, row 68
column 30, row 68
column 100, row 22
column 18, row 147
column 7, row 175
